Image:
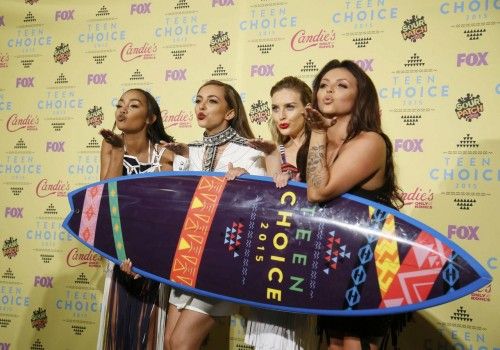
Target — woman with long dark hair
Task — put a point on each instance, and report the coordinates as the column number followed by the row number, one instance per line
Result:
column 131, row 303
column 349, row 152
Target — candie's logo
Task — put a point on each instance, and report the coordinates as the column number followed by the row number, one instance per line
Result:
column 95, row 116
column 145, row 51
column 39, row 319
column 76, row 258
column 4, row 60
column 469, row 107
column 418, row 198
column 44, row 188
column 483, row 294
column 414, row 28
column 259, row 112
column 220, row 42
column 10, row 247
column 62, row 53
column 302, row 40
column 182, row 119
column 16, row 122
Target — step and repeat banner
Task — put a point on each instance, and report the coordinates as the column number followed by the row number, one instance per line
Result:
column 64, row 64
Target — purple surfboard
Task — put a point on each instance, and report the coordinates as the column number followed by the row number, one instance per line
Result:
column 247, row 241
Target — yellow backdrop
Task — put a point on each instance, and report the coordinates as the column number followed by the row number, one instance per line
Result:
column 63, row 64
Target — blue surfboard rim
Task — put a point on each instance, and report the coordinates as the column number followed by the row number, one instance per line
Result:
column 483, row 280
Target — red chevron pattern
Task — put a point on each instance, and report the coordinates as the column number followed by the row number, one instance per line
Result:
column 418, row 272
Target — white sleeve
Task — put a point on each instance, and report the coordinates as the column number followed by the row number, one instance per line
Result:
column 256, row 164
column 180, row 163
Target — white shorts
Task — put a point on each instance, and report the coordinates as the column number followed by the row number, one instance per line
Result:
column 204, row 305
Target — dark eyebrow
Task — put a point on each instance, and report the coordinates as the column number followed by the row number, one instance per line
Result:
column 209, row 96
column 133, row 99
column 335, row 79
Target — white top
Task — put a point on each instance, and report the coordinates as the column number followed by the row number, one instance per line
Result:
column 241, row 156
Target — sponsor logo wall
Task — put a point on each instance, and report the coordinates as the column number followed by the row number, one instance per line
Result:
column 63, row 66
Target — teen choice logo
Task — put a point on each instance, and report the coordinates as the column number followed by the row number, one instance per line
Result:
column 62, row 53
column 469, row 107
column 259, row 112
column 414, row 28
column 10, row 247
column 39, row 319
column 220, row 42
column 95, row 116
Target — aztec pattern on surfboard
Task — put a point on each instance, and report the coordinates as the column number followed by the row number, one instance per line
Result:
column 248, row 242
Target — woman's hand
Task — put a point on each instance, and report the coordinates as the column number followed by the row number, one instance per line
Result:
column 126, row 266
column 316, row 120
column 265, row 146
column 281, row 179
column 178, row 148
column 233, row 173
column 112, row 138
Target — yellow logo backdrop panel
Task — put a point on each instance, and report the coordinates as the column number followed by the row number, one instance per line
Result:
column 63, row 66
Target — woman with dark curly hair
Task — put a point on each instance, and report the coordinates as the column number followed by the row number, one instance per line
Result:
column 349, row 152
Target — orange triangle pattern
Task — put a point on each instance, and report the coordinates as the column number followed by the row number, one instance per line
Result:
column 197, row 224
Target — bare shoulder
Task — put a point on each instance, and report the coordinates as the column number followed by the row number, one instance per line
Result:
column 371, row 136
column 369, row 140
